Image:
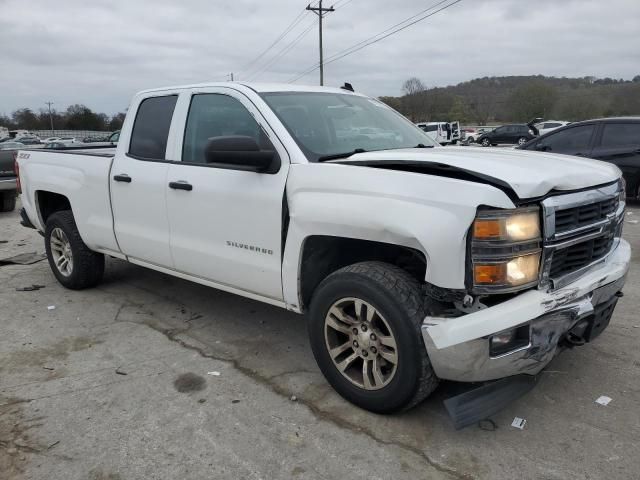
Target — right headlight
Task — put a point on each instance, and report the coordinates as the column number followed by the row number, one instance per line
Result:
column 505, row 250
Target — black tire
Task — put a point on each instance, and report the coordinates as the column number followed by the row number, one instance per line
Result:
column 485, row 142
column 7, row 201
column 88, row 266
column 397, row 296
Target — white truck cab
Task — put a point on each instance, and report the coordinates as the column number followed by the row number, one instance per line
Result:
column 412, row 262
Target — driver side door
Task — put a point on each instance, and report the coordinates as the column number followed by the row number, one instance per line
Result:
column 226, row 221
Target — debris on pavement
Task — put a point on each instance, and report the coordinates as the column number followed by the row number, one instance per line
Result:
column 294, row 398
column 603, row 400
column 633, row 222
column 53, row 445
column 235, row 401
column 48, row 368
column 30, row 288
column 23, row 259
column 487, row 425
column 519, row 423
column 120, row 372
column 215, row 374
column 202, row 400
column 51, row 307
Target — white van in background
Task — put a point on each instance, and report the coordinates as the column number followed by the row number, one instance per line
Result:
column 442, row 132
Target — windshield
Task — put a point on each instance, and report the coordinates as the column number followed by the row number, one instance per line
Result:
column 325, row 124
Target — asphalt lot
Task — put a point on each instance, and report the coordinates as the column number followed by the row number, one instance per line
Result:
column 149, row 376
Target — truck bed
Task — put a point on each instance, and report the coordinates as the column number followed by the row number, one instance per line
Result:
column 81, row 174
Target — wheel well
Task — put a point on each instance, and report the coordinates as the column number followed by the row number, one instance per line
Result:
column 49, row 202
column 323, row 255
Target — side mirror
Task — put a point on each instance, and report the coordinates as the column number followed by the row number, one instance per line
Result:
column 241, row 152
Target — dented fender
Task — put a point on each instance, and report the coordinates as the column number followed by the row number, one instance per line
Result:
column 410, row 209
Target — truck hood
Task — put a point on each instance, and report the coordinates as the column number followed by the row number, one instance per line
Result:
column 528, row 174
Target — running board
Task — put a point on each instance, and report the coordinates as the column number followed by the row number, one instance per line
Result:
column 479, row 403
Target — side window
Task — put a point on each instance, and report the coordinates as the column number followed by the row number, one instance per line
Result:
column 151, row 128
column 620, row 134
column 575, row 138
column 430, row 128
column 216, row 115
column 501, row 130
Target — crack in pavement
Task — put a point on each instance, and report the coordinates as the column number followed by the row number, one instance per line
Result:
column 173, row 335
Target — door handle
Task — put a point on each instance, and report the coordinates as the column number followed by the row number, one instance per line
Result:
column 123, row 177
column 181, row 185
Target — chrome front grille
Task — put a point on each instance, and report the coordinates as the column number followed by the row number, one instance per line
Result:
column 576, row 217
column 580, row 230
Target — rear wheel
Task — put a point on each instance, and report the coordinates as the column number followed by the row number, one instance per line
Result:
column 364, row 328
column 522, row 141
column 7, row 201
column 71, row 261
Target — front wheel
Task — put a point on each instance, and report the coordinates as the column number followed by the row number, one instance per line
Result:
column 485, row 142
column 364, row 329
column 71, row 261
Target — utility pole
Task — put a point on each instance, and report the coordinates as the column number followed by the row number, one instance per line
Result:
column 320, row 12
column 48, row 104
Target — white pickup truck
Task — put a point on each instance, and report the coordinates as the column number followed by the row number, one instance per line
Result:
column 412, row 262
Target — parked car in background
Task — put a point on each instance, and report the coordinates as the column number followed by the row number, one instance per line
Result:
column 67, row 140
column 11, row 145
column 8, row 187
column 549, row 126
column 50, row 139
column 114, row 137
column 515, row 134
column 30, row 140
column 614, row 140
column 55, row 145
column 469, row 135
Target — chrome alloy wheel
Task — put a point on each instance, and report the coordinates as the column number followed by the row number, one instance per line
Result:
column 360, row 343
column 61, row 252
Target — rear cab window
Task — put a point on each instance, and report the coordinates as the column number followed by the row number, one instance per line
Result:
column 151, row 128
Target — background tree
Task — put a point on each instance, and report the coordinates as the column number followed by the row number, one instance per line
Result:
column 532, row 100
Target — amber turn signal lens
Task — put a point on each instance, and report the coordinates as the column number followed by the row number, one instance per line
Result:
column 487, row 229
column 489, row 274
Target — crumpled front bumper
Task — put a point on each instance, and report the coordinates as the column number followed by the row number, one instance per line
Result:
column 459, row 347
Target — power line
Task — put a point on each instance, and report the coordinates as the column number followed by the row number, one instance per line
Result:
column 381, row 36
column 248, row 66
column 286, row 49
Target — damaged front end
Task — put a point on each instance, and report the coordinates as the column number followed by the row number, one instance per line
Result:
column 581, row 267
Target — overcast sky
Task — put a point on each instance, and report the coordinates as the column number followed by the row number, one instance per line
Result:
column 100, row 52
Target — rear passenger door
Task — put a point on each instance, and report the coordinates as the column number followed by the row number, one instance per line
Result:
column 138, row 182
column 226, row 227
column 619, row 143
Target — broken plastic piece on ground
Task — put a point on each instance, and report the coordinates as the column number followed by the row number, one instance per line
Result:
column 603, row 400
column 480, row 402
column 215, row 374
column 518, row 423
column 51, row 307
column 294, row 398
column 23, row 259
